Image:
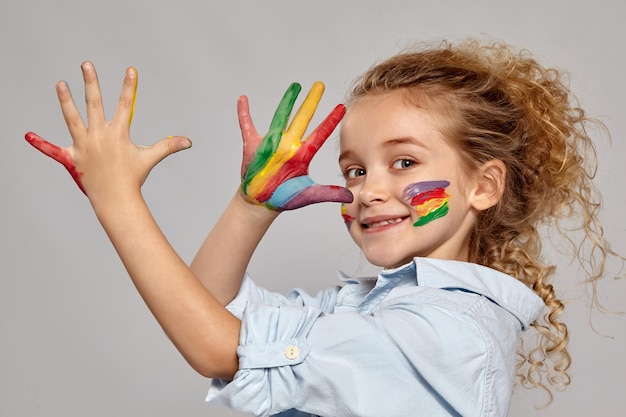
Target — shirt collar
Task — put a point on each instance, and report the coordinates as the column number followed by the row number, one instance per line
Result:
column 500, row 288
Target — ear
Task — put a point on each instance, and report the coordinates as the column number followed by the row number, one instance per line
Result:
column 489, row 185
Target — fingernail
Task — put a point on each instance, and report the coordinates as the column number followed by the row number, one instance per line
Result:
column 63, row 86
column 181, row 142
column 185, row 144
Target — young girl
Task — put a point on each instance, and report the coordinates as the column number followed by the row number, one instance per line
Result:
column 453, row 156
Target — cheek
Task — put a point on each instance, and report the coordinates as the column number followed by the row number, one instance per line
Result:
column 429, row 199
column 347, row 218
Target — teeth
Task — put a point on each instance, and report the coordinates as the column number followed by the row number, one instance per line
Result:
column 384, row 223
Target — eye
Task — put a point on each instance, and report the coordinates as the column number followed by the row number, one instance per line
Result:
column 403, row 164
column 354, row 172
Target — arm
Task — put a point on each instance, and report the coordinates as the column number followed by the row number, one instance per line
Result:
column 449, row 352
column 234, row 238
column 110, row 169
column 275, row 178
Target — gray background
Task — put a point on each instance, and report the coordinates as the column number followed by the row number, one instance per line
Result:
column 75, row 338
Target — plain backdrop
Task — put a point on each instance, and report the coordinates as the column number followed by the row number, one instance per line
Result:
column 75, row 337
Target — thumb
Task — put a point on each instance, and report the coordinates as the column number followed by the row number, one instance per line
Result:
column 168, row 146
column 318, row 194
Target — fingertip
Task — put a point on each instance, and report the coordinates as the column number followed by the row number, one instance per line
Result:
column 242, row 101
column 243, row 110
column 179, row 143
column 87, row 66
column 338, row 194
column 53, row 151
column 186, row 143
column 62, row 86
column 318, row 86
column 132, row 72
column 340, row 108
column 294, row 88
column 342, row 194
column 349, row 197
column 34, row 139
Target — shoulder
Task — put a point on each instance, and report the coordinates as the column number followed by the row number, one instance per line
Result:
column 501, row 289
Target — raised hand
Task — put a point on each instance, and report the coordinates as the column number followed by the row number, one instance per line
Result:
column 102, row 156
column 274, row 170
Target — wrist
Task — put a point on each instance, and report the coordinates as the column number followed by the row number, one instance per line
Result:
column 251, row 210
column 105, row 203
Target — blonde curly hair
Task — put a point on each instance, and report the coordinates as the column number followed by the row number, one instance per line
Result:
column 502, row 104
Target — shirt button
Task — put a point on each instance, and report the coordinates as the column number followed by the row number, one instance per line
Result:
column 292, row 352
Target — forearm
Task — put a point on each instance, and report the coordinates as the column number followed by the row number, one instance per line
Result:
column 274, row 175
column 221, row 261
column 203, row 331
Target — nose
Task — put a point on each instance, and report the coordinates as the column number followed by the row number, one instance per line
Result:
column 373, row 191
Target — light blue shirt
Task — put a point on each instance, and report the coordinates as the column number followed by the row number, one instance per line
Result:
column 431, row 338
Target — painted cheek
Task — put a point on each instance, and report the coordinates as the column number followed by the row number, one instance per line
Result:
column 429, row 199
column 346, row 217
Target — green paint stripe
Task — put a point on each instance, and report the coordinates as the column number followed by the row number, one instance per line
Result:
column 271, row 141
column 433, row 215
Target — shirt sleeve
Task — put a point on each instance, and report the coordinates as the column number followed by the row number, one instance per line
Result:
column 249, row 292
column 429, row 356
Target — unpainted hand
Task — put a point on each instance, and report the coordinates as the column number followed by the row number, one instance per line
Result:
column 102, row 157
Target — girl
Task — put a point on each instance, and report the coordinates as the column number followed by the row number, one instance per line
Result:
column 453, row 157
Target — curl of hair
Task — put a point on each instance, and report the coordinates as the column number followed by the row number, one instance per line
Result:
column 500, row 103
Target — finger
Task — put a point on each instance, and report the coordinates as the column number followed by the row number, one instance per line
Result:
column 292, row 195
column 58, row 154
column 53, row 151
column 306, row 111
column 126, row 104
column 264, row 152
column 165, row 148
column 281, row 115
column 272, row 139
column 267, row 148
column 320, row 194
column 245, row 120
column 292, row 138
column 317, row 138
column 93, row 96
column 72, row 117
column 132, row 109
column 298, row 164
column 251, row 138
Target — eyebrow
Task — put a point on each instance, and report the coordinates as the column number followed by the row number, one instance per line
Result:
column 409, row 139
column 345, row 155
column 391, row 142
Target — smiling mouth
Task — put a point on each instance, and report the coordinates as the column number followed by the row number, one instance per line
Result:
column 383, row 223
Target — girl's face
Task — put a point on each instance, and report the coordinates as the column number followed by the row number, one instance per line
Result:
column 413, row 194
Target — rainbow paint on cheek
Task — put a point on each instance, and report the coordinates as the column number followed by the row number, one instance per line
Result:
column 346, row 217
column 429, row 199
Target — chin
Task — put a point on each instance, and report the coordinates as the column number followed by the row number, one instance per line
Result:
column 388, row 262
